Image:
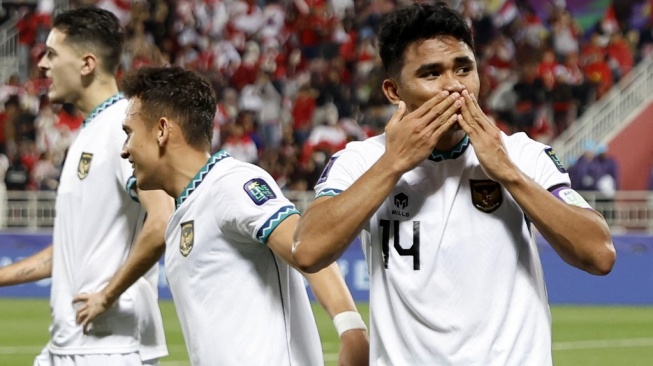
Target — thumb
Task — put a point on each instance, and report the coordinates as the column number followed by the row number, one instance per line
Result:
column 398, row 115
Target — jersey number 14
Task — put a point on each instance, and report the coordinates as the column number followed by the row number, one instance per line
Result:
column 386, row 226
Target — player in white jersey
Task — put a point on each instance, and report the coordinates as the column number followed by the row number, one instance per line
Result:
column 99, row 237
column 445, row 203
column 228, row 244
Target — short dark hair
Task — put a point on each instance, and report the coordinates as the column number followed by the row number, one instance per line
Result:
column 95, row 29
column 173, row 92
column 414, row 23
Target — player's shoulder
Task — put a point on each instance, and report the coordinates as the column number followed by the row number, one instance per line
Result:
column 519, row 143
column 371, row 147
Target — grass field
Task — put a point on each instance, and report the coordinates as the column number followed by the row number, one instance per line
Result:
column 583, row 336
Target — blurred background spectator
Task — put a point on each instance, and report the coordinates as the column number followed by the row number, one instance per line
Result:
column 298, row 79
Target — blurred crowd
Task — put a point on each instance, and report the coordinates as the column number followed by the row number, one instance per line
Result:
column 297, row 80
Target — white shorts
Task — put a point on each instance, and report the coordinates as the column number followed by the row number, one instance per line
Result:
column 127, row 359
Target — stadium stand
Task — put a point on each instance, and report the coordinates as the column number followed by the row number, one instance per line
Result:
column 298, row 79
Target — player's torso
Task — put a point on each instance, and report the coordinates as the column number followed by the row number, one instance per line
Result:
column 94, row 228
column 231, row 292
column 450, row 256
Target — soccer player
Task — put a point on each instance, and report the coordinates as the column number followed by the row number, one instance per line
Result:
column 446, row 203
column 99, row 237
column 228, row 244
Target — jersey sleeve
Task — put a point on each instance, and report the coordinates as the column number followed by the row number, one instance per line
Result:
column 253, row 204
column 540, row 162
column 342, row 170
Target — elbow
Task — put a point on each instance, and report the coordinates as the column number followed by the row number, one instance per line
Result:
column 306, row 262
column 604, row 261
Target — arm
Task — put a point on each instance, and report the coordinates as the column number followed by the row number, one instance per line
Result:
column 331, row 291
column 331, row 224
column 147, row 249
column 580, row 236
column 30, row 269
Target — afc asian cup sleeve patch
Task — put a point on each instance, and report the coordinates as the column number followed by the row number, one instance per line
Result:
column 327, row 168
column 552, row 155
column 259, row 191
column 570, row 196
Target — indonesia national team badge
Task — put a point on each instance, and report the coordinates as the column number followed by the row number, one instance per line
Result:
column 187, row 238
column 486, row 194
column 84, row 165
column 259, row 191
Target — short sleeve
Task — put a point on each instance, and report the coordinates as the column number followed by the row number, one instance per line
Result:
column 343, row 169
column 538, row 161
column 251, row 204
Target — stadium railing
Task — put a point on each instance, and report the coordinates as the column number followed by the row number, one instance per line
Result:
column 9, row 64
column 626, row 211
column 608, row 116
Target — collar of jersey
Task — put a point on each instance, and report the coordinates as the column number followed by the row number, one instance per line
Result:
column 104, row 105
column 454, row 153
column 199, row 177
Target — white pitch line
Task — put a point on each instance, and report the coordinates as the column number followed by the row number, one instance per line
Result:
column 603, row 343
column 330, row 356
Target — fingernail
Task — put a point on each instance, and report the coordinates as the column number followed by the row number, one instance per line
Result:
column 457, row 103
column 444, row 93
column 455, row 95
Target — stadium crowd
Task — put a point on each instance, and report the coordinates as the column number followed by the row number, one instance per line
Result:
column 297, row 80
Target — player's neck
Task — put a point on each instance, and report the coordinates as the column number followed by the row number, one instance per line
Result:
column 184, row 169
column 449, row 140
column 95, row 94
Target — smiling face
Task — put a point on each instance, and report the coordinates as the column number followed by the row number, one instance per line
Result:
column 62, row 64
column 431, row 66
column 142, row 147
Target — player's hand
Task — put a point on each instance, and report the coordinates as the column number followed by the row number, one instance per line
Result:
column 485, row 136
column 89, row 307
column 410, row 138
column 354, row 348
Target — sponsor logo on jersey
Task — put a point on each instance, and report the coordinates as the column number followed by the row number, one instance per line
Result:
column 187, row 238
column 486, row 194
column 400, row 202
column 84, row 165
column 259, row 191
column 552, row 155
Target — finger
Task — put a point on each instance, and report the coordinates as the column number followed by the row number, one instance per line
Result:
column 80, row 316
column 80, row 298
column 398, row 115
column 441, row 113
column 428, row 106
column 465, row 119
column 477, row 116
column 435, row 137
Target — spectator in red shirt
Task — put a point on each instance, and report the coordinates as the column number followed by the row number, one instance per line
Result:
column 302, row 114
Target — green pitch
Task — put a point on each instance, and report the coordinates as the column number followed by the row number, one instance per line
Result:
column 583, row 336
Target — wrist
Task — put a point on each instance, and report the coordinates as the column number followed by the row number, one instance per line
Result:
column 348, row 320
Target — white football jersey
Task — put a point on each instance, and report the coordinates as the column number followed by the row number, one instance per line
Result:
column 238, row 303
column 96, row 222
column 455, row 274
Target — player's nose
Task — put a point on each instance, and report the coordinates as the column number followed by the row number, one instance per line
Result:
column 452, row 84
column 125, row 152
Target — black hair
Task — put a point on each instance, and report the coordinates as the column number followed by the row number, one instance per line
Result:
column 414, row 23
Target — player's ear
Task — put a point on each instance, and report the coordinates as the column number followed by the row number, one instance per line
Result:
column 89, row 65
column 391, row 91
column 163, row 131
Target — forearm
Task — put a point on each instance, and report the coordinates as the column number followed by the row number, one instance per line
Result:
column 33, row 268
column 328, row 227
column 580, row 236
column 147, row 249
column 331, row 291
